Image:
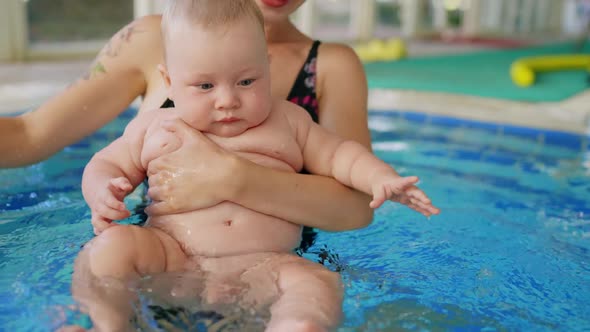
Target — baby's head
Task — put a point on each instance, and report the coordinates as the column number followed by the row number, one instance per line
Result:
column 216, row 64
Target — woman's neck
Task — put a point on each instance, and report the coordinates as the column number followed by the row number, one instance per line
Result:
column 282, row 32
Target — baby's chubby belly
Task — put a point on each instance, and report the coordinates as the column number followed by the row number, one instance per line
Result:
column 228, row 229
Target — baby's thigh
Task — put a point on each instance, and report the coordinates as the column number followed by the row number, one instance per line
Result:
column 302, row 291
column 125, row 251
column 306, row 286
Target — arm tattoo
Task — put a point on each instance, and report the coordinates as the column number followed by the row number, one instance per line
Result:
column 97, row 68
column 111, row 50
column 114, row 46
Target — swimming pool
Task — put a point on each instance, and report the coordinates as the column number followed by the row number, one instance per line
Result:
column 510, row 250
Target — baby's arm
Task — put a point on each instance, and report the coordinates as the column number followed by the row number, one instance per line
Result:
column 355, row 166
column 112, row 173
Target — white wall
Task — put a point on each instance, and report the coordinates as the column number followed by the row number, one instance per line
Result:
column 573, row 23
column 13, row 30
column 147, row 7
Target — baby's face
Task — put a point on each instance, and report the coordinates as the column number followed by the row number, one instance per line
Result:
column 219, row 77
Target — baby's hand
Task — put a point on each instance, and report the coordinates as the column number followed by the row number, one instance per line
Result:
column 402, row 190
column 109, row 206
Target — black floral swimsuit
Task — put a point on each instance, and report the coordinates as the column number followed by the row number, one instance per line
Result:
column 303, row 92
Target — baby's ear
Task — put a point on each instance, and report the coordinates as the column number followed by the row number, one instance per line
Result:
column 164, row 72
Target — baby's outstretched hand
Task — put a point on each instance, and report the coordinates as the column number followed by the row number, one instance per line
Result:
column 109, row 206
column 402, row 190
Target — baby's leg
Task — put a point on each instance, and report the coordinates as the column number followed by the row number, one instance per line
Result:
column 310, row 300
column 110, row 261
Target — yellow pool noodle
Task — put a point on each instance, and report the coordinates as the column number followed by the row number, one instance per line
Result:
column 522, row 71
column 380, row 50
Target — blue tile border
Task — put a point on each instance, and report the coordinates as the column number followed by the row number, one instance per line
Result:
column 550, row 137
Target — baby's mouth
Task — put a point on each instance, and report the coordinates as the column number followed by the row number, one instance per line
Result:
column 229, row 119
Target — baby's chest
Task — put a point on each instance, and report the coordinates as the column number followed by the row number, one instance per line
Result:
column 267, row 142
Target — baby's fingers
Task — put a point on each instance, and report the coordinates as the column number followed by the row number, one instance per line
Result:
column 379, row 196
column 419, row 198
column 99, row 224
column 402, row 184
column 121, row 184
column 419, row 209
column 426, row 209
column 417, row 194
column 110, row 213
column 114, row 203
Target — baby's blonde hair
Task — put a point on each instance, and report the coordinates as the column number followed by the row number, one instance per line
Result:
column 209, row 13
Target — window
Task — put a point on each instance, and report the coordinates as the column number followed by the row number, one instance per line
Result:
column 62, row 28
column 76, row 20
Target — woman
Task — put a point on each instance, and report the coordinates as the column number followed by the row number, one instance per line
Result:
column 127, row 67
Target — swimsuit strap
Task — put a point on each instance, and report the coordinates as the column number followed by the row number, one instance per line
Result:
column 303, row 92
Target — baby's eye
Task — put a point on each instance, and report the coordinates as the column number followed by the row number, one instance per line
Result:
column 205, row 86
column 246, row 82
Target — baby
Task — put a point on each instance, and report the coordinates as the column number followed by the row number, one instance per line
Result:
column 217, row 73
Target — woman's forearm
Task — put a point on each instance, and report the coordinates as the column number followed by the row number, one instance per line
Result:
column 113, row 81
column 308, row 200
column 34, row 136
column 14, row 147
column 64, row 119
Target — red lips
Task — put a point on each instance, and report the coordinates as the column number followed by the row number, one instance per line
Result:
column 275, row 3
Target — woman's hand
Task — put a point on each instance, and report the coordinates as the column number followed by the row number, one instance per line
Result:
column 199, row 174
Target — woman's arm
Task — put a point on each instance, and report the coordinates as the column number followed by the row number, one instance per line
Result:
column 310, row 200
column 115, row 79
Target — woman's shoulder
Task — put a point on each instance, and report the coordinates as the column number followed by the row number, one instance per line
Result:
column 332, row 59
column 337, row 54
column 144, row 30
column 135, row 41
column 138, row 45
column 149, row 22
column 150, row 19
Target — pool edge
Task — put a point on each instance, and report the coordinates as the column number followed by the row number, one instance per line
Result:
column 570, row 116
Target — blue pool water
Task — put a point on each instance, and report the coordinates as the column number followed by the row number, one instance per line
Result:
column 510, row 251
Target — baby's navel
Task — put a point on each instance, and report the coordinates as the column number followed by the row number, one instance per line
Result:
column 227, row 222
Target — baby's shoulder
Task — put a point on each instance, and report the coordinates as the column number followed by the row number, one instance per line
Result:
column 147, row 119
column 288, row 108
column 149, row 115
column 294, row 117
column 290, row 111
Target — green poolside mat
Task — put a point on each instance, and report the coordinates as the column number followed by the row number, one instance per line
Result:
column 484, row 73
